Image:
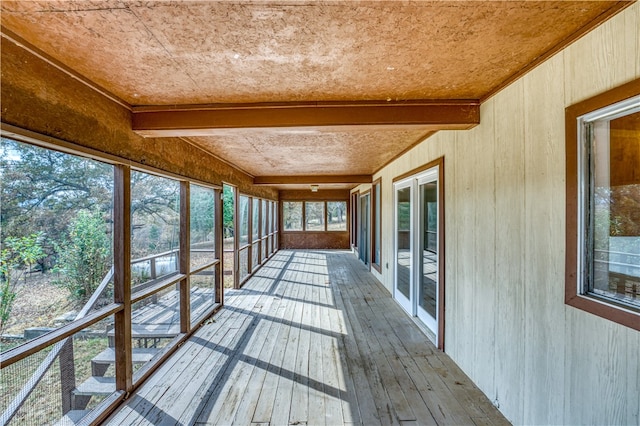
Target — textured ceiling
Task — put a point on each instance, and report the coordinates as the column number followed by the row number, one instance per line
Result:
column 300, row 152
column 197, row 52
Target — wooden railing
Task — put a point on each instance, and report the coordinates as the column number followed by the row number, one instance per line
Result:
column 62, row 342
column 61, row 348
column 61, row 339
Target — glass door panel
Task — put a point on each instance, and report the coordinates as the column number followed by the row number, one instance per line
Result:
column 403, row 288
column 428, row 252
column 363, row 245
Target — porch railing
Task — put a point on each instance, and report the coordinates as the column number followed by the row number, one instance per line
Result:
column 62, row 342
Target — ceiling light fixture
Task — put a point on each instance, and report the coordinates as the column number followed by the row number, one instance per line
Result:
column 314, row 188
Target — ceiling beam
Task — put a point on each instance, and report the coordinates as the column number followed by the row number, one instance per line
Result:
column 312, row 179
column 207, row 120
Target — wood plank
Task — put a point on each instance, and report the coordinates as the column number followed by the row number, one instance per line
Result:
column 316, row 342
column 213, row 394
column 544, row 267
column 284, row 391
column 261, row 342
column 317, row 402
column 300, row 400
column 330, row 377
column 122, row 275
column 383, row 404
column 273, row 364
column 247, row 405
column 360, row 402
column 510, row 283
column 143, row 401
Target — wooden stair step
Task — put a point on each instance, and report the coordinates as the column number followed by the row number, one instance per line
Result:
column 140, row 356
column 96, row 386
column 72, row 417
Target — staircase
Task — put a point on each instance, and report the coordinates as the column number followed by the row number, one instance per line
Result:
column 99, row 384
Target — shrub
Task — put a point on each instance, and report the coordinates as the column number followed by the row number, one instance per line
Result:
column 84, row 257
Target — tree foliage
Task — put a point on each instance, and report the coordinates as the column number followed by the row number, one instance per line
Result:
column 17, row 252
column 40, row 187
column 228, row 210
column 84, row 256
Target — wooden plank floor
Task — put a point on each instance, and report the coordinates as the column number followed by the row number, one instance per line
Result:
column 311, row 339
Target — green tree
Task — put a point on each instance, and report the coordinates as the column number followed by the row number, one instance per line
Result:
column 17, row 252
column 84, row 256
column 40, row 187
column 8, row 262
column 228, row 210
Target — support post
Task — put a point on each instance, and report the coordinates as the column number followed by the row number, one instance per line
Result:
column 185, row 258
column 122, row 276
column 219, row 247
column 236, row 243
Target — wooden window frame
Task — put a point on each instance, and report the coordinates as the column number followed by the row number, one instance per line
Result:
column 573, row 294
column 326, row 215
column 303, row 216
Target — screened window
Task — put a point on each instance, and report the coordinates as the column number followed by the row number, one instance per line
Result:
column 336, row 215
column 255, row 220
column 202, row 223
column 243, row 219
column 606, row 161
column 265, row 215
column 292, row 215
column 155, row 227
column 314, row 216
column 56, row 235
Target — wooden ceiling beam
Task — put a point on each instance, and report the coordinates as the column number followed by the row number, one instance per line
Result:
column 206, row 120
column 312, row 180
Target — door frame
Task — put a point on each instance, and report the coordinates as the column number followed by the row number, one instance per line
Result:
column 414, row 175
column 364, row 247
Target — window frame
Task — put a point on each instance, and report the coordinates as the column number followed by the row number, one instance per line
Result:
column 326, row 216
column 302, row 215
column 575, row 295
column 325, row 227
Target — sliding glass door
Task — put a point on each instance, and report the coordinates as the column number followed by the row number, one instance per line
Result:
column 365, row 232
column 427, row 276
column 403, row 246
column 417, row 247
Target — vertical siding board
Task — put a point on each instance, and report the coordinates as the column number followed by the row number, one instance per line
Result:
column 484, row 251
column 464, row 249
column 544, row 247
column 451, row 236
column 597, row 347
column 604, row 58
column 510, row 225
column 633, row 377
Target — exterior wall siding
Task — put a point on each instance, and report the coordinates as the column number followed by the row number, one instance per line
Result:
column 538, row 360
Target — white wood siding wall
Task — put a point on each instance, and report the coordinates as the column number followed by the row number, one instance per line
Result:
column 541, row 362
